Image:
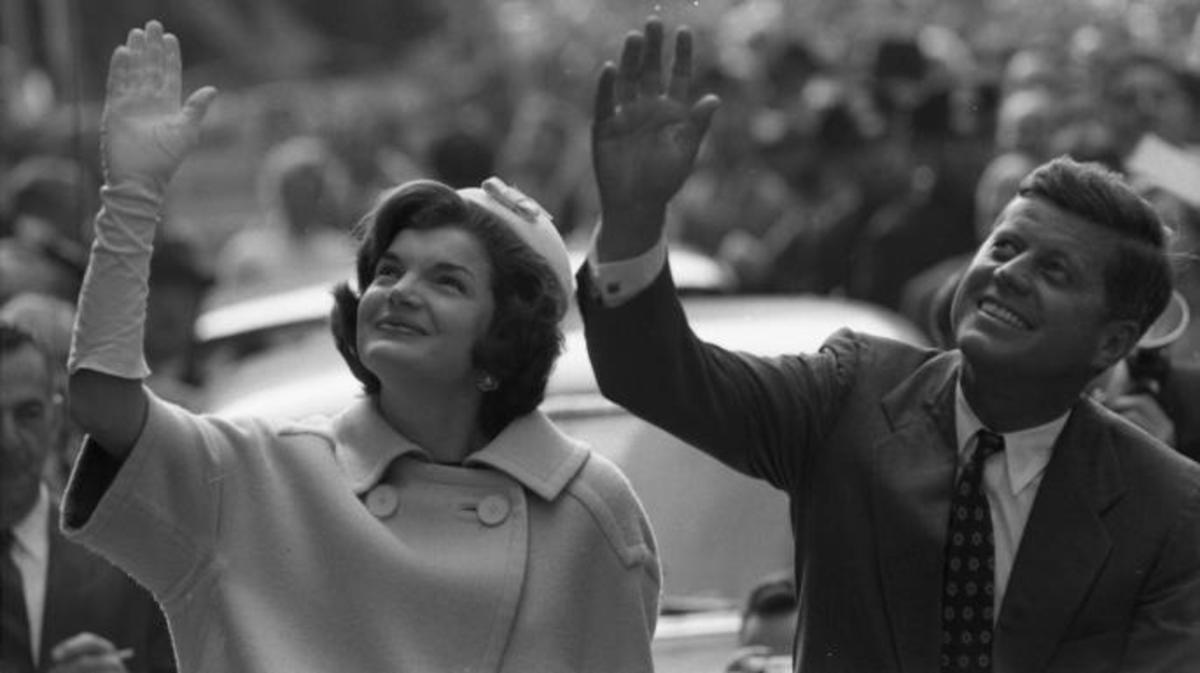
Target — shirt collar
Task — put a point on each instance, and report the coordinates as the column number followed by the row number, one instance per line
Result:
column 1026, row 451
column 30, row 534
column 531, row 450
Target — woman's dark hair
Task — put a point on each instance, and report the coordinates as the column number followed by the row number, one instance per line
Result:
column 524, row 339
column 1138, row 278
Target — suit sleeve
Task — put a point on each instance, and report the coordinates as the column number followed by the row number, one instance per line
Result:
column 761, row 416
column 1166, row 626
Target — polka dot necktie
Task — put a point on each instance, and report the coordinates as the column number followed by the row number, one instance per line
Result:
column 970, row 585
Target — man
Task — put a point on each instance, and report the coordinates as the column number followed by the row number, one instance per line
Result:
column 64, row 609
column 965, row 510
column 768, row 624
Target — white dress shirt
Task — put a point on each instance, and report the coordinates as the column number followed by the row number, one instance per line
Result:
column 1010, row 480
column 619, row 281
column 31, row 552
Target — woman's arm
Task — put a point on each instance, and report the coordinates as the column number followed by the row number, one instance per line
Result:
column 145, row 134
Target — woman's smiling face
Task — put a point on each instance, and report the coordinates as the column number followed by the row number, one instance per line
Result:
column 428, row 305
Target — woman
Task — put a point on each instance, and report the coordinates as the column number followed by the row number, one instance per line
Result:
column 440, row 523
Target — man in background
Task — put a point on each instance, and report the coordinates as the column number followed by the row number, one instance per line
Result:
column 64, row 609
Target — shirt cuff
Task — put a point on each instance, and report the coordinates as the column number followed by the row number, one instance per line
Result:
column 620, row 281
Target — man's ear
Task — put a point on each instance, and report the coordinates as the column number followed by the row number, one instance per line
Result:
column 1117, row 339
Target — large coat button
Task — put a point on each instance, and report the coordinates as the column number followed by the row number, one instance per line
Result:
column 493, row 510
column 382, row 501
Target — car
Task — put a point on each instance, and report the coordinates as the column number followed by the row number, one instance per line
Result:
column 718, row 531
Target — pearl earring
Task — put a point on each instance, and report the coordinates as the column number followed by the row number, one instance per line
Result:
column 486, row 383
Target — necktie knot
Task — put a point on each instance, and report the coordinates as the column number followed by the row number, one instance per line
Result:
column 988, row 443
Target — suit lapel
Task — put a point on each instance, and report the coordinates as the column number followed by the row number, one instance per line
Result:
column 911, row 504
column 1064, row 546
column 66, row 585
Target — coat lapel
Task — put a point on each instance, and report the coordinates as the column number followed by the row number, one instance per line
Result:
column 66, row 588
column 911, row 502
column 1064, row 546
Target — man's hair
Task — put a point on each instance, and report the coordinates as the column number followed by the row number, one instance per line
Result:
column 1137, row 281
column 13, row 338
column 772, row 596
column 524, row 338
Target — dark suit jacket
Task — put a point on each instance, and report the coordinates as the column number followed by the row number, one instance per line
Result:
column 1180, row 399
column 861, row 436
column 86, row 593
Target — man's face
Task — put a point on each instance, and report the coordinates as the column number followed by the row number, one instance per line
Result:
column 1152, row 101
column 1033, row 302
column 29, row 418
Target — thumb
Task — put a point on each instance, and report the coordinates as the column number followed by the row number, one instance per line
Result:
column 702, row 113
column 196, row 105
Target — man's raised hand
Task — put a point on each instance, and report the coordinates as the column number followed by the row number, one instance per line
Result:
column 645, row 135
column 145, row 131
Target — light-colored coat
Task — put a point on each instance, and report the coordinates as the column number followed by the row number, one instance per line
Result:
column 297, row 548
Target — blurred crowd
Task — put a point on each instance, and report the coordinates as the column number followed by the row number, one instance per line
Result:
column 868, row 178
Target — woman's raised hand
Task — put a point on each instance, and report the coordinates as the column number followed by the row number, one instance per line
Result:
column 646, row 132
column 145, row 132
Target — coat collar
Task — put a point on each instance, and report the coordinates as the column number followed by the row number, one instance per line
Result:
column 1064, row 545
column 531, row 450
column 914, row 467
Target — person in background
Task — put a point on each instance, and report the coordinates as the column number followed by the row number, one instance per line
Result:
column 1148, row 95
column 961, row 510
column 49, row 320
column 441, row 522
column 64, row 608
column 302, row 187
column 767, row 628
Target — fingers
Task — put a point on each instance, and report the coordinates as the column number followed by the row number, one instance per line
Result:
column 627, row 75
column 702, row 112
column 107, row 663
column 650, row 77
column 174, row 64
column 155, row 55
column 151, row 60
column 136, row 40
column 135, row 46
column 196, row 106
column 87, row 653
column 605, row 97
column 81, row 644
column 641, row 70
column 119, row 71
column 681, row 67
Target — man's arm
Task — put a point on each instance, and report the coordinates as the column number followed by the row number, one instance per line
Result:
column 752, row 413
column 145, row 133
